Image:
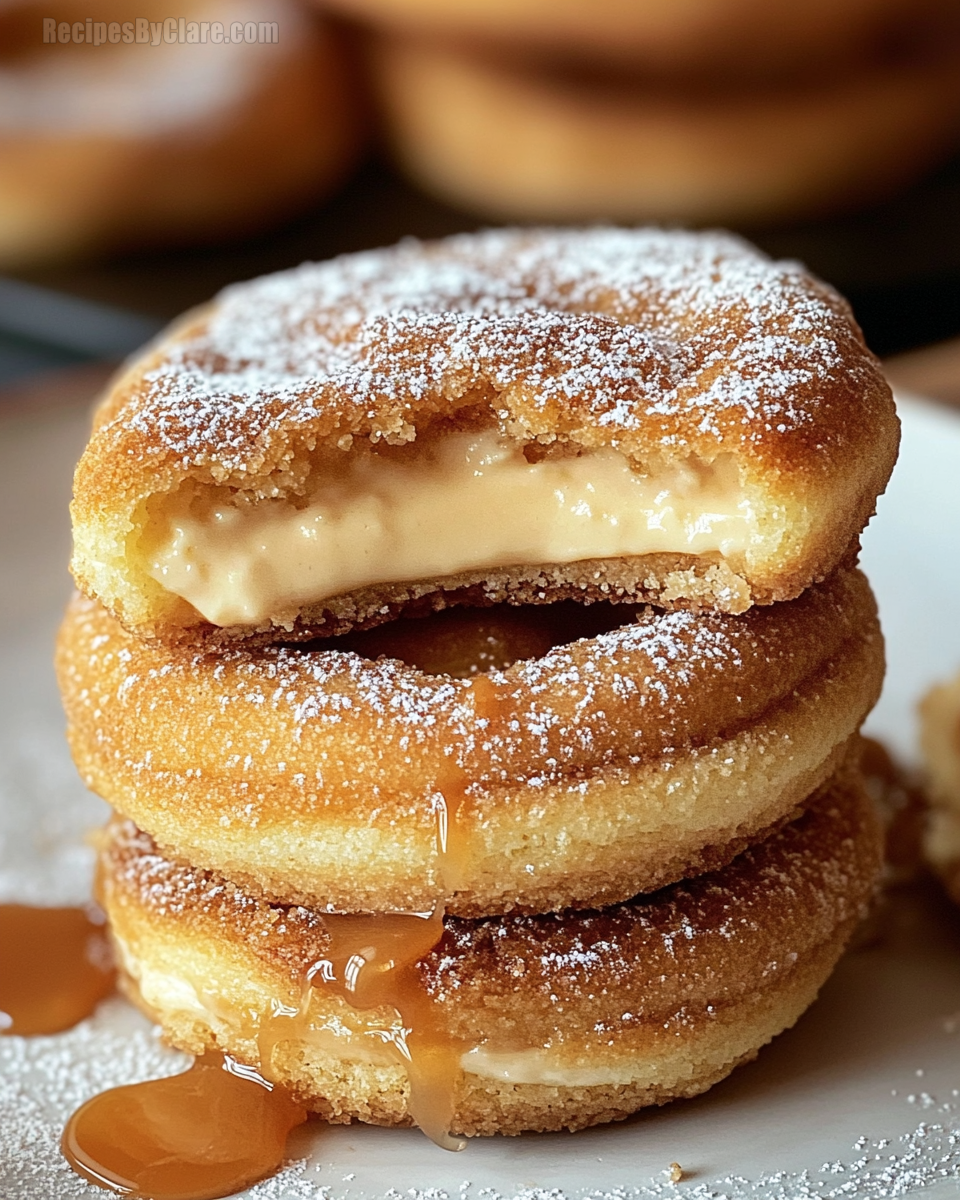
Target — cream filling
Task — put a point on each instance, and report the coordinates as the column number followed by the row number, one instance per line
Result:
column 467, row 501
column 359, row 1043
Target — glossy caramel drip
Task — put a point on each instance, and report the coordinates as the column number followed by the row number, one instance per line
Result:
column 209, row 1132
column 372, row 958
column 371, row 964
column 453, row 797
column 55, row 967
column 450, row 801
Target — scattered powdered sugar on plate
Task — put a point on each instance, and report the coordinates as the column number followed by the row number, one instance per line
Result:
column 42, row 1080
column 876, row 1170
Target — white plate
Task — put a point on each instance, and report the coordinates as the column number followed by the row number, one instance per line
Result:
column 861, row 1099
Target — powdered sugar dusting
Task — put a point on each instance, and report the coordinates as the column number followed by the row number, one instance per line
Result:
column 675, row 338
column 652, row 663
column 660, row 683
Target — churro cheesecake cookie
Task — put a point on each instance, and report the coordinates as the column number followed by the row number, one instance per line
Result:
column 388, row 772
column 513, row 416
column 518, row 138
column 501, row 1024
column 742, row 38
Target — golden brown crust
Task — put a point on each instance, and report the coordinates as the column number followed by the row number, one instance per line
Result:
column 514, row 141
column 271, row 127
column 669, row 990
column 620, row 761
column 661, row 346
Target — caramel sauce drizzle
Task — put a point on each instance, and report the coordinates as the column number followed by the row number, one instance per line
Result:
column 371, row 965
column 452, row 799
column 372, row 959
column 209, row 1132
column 372, row 962
column 55, row 967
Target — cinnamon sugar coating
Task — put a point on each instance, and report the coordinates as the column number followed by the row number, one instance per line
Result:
column 664, row 346
column 665, row 993
column 615, row 762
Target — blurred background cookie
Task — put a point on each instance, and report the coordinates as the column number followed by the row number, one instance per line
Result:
column 528, row 139
column 713, row 37
column 144, row 134
column 940, row 741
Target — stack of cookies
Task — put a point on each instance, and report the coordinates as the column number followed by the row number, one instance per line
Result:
column 708, row 110
column 471, row 646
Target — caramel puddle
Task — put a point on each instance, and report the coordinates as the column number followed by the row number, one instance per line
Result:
column 55, row 967
column 212, row 1131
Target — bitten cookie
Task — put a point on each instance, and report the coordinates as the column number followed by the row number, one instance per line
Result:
column 519, row 416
